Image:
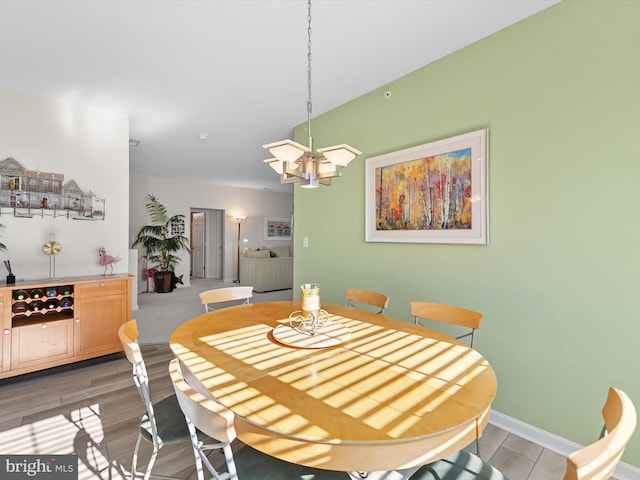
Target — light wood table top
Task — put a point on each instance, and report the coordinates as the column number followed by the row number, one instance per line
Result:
column 395, row 395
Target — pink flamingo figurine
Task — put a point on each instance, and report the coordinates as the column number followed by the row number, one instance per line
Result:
column 107, row 260
column 147, row 273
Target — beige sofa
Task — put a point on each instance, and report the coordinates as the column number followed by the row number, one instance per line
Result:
column 267, row 268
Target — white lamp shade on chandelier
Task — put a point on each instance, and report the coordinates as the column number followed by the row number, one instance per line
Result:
column 339, row 155
column 286, row 150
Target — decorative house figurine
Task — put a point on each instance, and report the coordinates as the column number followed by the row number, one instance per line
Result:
column 26, row 193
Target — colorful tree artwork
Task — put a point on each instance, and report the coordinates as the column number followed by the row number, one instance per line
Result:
column 430, row 193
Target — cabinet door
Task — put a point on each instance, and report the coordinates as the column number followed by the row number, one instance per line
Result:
column 100, row 309
column 5, row 335
column 5, row 350
column 41, row 344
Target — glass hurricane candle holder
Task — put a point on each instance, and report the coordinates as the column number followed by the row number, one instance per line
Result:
column 310, row 299
column 311, row 316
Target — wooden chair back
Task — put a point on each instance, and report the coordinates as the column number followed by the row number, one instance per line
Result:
column 598, row 461
column 369, row 297
column 205, row 414
column 448, row 314
column 128, row 334
column 227, row 294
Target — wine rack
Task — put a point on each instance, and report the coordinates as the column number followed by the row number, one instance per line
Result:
column 35, row 304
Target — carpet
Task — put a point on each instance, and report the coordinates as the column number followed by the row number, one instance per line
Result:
column 159, row 314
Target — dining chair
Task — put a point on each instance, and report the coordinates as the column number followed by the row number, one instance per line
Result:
column 369, row 297
column 596, row 461
column 164, row 423
column 227, row 294
column 448, row 314
column 203, row 413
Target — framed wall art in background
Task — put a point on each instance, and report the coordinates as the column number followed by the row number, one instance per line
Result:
column 432, row 193
column 277, row 229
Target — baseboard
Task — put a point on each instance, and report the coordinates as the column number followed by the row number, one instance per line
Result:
column 553, row 442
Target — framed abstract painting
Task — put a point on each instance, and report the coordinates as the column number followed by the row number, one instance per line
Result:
column 432, row 193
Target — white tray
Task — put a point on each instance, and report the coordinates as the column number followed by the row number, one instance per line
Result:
column 327, row 335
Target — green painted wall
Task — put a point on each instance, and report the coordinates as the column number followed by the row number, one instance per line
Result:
column 558, row 284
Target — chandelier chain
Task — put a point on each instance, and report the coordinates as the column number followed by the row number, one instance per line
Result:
column 309, row 104
column 295, row 162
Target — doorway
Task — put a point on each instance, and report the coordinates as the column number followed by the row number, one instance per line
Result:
column 207, row 243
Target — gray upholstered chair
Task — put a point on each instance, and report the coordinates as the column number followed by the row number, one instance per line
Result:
column 164, row 423
column 599, row 459
column 227, row 294
column 369, row 297
column 596, row 461
column 448, row 314
column 216, row 421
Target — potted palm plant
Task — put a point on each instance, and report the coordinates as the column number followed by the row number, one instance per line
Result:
column 161, row 244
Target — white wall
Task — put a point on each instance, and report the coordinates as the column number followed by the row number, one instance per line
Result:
column 181, row 196
column 86, row 145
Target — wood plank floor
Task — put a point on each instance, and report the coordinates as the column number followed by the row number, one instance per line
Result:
column 92, row 409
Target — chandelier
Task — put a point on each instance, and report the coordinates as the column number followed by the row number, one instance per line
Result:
column 297, row 163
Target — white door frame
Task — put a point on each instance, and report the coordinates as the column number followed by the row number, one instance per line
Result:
column 214, row 241
column 198, row 244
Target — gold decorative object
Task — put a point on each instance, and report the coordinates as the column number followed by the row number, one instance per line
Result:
column 52, row 248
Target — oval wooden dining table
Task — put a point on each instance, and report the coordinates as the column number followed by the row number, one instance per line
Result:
column 393, row 395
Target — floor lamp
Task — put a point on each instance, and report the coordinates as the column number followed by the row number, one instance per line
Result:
column 239, row 219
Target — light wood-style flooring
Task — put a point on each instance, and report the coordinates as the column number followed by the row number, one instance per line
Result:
column 93, row 409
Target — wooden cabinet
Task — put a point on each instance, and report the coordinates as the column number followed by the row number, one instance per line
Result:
column 62, row 321
column 100, row 308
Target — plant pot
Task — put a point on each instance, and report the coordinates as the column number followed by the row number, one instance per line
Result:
column 163, row 282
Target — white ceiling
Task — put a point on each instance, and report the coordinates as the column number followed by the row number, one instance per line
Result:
column 235, row 70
